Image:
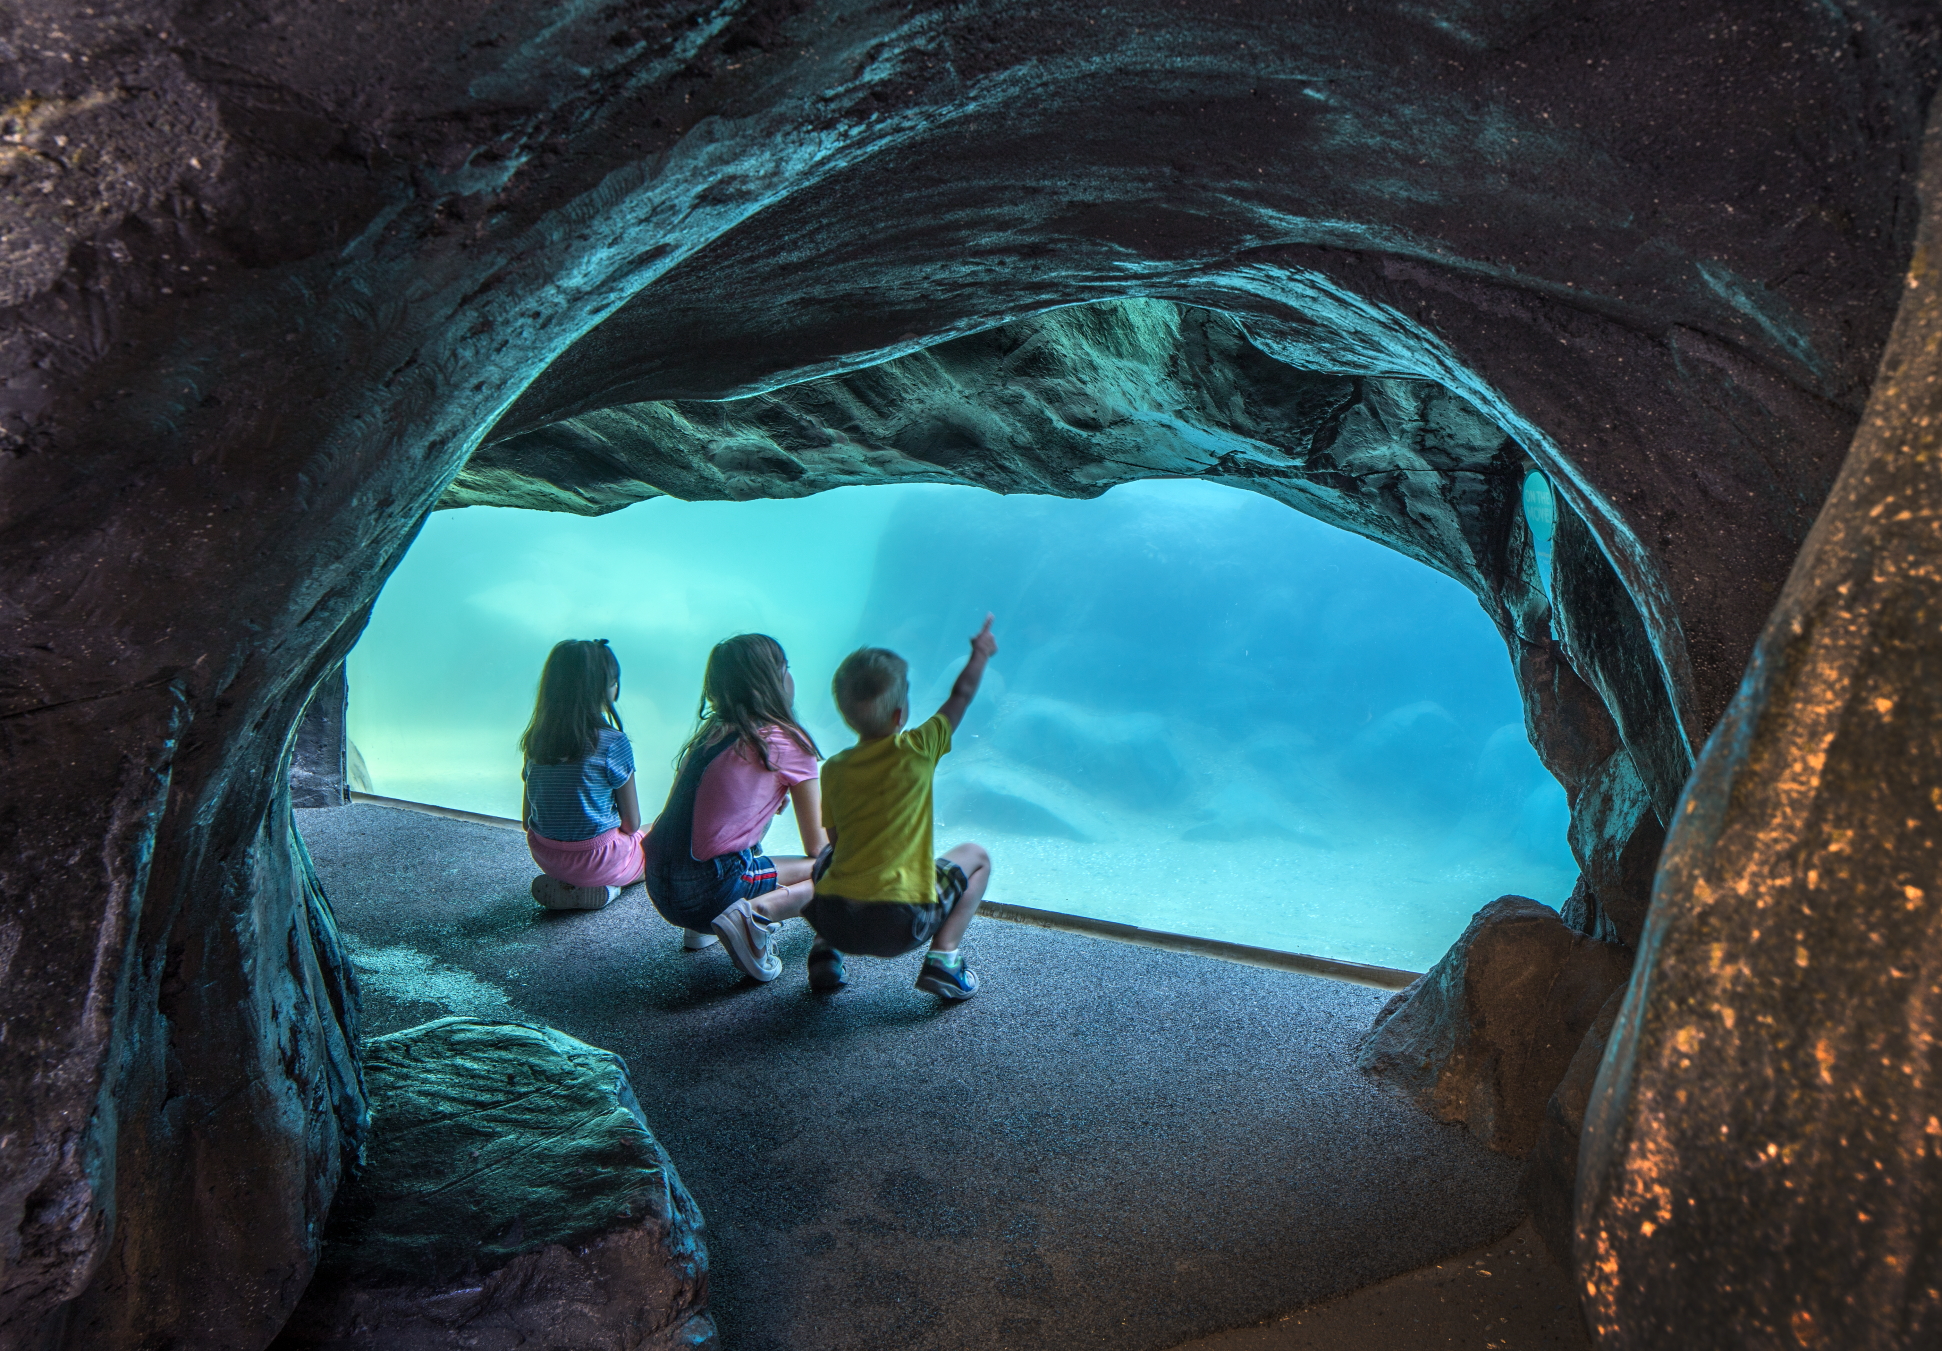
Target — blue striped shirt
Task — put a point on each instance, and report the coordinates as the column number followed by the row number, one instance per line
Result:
column 575, row 801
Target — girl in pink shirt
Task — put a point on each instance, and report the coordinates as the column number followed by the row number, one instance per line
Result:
column 748, row 756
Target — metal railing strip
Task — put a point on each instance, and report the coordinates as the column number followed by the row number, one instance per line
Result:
column 1355, row 973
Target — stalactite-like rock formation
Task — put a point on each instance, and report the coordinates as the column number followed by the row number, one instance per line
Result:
column 274, row 272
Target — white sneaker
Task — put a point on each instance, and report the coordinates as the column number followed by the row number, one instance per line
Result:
column 695, row 942
column 750, row 941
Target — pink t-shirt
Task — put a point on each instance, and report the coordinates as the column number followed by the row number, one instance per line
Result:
column 737, row 798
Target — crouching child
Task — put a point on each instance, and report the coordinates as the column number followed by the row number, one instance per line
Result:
column 879, row 891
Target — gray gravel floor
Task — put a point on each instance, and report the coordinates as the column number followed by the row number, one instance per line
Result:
column 1110, row 1146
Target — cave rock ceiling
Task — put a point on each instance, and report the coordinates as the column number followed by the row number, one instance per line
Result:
column 273, row 273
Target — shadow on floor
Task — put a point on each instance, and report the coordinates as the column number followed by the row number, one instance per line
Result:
column 1110, row 1147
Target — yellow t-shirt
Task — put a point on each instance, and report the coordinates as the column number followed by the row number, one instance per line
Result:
column 877, row 802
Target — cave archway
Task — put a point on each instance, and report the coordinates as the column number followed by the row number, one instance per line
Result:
column 1211, row 716
column 1076, row 399
column 241, row 372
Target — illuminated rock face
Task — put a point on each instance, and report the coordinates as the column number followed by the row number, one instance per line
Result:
column 1763, row 1149
column 276, row 270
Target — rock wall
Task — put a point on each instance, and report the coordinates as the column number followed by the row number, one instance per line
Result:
column 1762, row 1146
column 319, row 755
column 273, row 272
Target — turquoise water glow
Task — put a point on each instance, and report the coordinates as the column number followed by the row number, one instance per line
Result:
column 1209, row 714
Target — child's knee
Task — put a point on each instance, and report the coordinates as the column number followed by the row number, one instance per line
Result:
column 971, row 857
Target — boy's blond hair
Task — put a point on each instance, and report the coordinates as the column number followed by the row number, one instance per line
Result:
column 870, row 686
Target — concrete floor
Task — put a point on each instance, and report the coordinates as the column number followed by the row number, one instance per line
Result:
column 1506, row 1296
column 1109, row 1147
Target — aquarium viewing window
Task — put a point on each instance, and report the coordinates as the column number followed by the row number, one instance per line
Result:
column 1209, row 715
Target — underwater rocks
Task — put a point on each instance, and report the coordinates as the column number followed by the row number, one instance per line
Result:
column 1007, row 797
column 1484, row 1036
column 1125, row 759
column 512, row 1195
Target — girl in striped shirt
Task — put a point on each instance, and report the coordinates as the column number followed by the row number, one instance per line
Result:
column 580, row 808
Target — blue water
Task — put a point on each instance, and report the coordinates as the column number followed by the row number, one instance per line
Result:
column 1209, row 714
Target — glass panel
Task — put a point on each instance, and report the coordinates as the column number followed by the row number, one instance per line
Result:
column 1209, row 714
column 1541, row 516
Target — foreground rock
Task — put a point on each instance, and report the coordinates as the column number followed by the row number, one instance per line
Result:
column 1761, row 1150
column 512, row 1196
column 1485, row 1036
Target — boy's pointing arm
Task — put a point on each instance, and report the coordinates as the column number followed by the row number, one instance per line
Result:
column 983, row 648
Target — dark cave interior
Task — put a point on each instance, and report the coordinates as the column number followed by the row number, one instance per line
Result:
column 281, row 280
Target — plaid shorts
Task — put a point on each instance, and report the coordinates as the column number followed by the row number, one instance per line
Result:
column 884, row 928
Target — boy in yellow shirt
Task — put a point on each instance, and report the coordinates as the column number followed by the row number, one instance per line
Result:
column 879, row 893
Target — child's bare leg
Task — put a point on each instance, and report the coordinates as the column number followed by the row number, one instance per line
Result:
column 793, row 891
column 977, row 870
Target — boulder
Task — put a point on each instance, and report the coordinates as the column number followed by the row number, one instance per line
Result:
column 1415, row 754
column 1484, row 1036
column 1550, row 1180
column 511, row 1195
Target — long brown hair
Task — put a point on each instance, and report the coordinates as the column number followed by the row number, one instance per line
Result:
column 741, row 693
column 573, row 702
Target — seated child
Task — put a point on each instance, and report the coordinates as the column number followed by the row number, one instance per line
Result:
column 582, row 815
column 748, row 754
column 878, row 890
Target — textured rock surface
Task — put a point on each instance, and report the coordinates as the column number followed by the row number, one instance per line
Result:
column 254, row 1118
column 274, row 271
column 511, row 1195
column 1550, row 1180
column 1485, row 1035
column 1763, row 1152
column 1616, row 835
column 319, row 759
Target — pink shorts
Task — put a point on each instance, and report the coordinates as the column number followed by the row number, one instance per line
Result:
column 613, row 858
